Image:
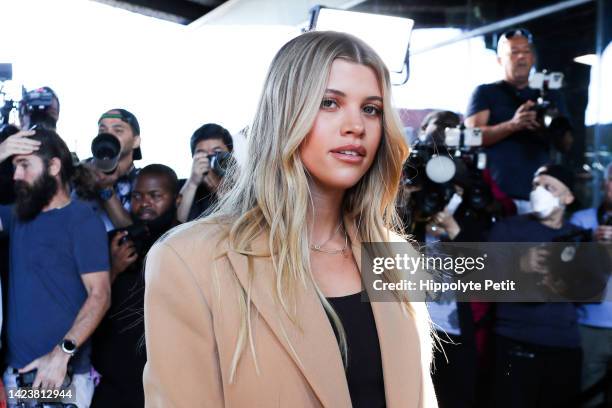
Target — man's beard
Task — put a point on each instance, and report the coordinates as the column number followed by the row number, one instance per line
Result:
column 30, row 200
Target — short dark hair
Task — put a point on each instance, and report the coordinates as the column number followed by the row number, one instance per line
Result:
column 211, row 131
column 444, row 118
column 160, row 170
column 52, row 145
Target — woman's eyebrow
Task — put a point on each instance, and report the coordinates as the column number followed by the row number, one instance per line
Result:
column 340, row 93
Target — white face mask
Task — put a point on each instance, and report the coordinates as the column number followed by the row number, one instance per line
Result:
column 543, row 202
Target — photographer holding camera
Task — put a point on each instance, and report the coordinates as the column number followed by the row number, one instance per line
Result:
column 211, row 147
column 118, row 349
column 114, row 188
column 460, row 209
column 39, row 107
column 59, row 287
column 462, row 212
column 538, row 356
column 506, row 112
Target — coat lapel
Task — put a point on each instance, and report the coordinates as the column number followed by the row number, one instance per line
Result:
column 312, row 344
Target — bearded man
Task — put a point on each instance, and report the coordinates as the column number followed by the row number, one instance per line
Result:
column 59, row 285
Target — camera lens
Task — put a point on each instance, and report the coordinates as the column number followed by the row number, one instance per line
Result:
column 106, row 149
column 219, row 162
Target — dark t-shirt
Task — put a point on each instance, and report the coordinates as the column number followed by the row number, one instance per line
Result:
column 547, row 324
column 119, row 352
column 514, row 160
column 48, row 255
column 203, row 201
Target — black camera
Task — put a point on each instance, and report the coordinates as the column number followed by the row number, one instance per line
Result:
column 26, row 380
column 106, row 151
column 220, row 162
column 138, row 233
column 545, row 109
column 35, row 104
column 434, row 169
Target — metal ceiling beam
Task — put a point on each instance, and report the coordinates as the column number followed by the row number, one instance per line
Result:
column 266, row 12
column 177, row 11
column 507, row 23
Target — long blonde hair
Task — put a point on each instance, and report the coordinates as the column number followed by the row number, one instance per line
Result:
column 270, row 193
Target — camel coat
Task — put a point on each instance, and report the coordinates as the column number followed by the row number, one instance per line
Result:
column 192, row 321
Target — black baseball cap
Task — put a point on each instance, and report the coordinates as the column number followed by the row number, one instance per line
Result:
column 129, row 118
column 560, row 172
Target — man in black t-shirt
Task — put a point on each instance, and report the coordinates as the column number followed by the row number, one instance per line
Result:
column 119, row 354
column 199, row 192
column 512, row 135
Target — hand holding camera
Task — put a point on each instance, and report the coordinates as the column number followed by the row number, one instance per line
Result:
column 536, row 260
column 525, row 117
column 209, row 169
column 447, row 222
column 123, row 253
column 51, row 370
column 199, row 168
column 106, row 151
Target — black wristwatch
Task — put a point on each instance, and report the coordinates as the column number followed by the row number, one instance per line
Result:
column 68, row 346
column 106, row 193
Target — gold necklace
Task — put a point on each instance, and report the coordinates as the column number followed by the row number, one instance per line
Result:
column 319, row 247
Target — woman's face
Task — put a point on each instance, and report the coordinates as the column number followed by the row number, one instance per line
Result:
column 342, row 144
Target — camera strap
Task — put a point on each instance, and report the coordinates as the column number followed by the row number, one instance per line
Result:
column 512, row 92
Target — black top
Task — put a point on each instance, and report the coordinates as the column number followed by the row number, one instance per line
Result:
column 119, row 353
column 203, row 200
column 364, row 372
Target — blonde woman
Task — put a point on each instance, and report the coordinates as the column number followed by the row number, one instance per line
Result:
column 258, row 305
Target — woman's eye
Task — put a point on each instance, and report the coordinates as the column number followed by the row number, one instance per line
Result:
column 328, row 103
column 372, row 110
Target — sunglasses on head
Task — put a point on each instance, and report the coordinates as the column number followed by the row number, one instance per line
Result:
column 518, row 32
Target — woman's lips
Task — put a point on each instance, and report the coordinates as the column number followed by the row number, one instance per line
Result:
column 348, row 158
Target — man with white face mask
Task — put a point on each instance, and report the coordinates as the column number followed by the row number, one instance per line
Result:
column 538, row 356
column 551, row 194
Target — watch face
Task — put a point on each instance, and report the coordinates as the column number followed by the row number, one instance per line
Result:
column 69, row 345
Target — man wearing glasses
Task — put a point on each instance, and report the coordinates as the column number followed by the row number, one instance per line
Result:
column 504, row 110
